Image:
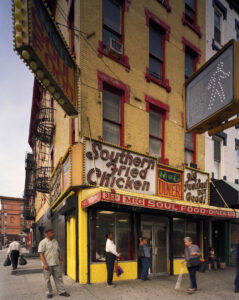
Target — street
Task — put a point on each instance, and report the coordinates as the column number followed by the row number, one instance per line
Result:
column 27, row 283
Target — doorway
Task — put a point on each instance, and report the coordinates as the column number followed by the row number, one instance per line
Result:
column 155, row 229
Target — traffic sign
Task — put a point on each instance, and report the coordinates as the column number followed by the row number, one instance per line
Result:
column 211, row 95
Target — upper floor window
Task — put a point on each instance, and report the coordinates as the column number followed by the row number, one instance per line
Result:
column 112, row 117
column 217, row 25
column 21, row 207
column 190, row 16
column 156, row 51
column 5, row 206
column 112, row 44
column 111, row 21
column 217, row 157
column 155, row 132
column 190, row 62
column 189, row 148
column 165, row 3
column 158, row 34
column 237, row 161
column 190, row 12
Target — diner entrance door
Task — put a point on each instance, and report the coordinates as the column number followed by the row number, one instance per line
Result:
column 156, row 230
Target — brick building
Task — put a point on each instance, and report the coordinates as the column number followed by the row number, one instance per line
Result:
column 12, row 220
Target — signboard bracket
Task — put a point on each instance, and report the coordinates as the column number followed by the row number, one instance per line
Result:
column 226, row 125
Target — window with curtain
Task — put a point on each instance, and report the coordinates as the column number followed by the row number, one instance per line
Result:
column 122, row 226
column 217, row 25
column 189, row 148
column 156, row 38
column 155, row 133
column 181, row 229
column 112, row 10
column 190, row 12
column 111, row 117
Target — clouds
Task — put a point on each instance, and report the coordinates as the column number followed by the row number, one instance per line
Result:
column 16, row 84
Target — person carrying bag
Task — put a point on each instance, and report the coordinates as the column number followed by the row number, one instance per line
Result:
column 192, row 257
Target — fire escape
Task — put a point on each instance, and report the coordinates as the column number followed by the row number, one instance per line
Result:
column 44, row 130
column 29, row 191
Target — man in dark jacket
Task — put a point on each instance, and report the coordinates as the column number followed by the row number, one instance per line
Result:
column 237, row 266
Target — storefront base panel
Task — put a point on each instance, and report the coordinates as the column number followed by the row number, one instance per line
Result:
column 98, row 272
column 177, row 267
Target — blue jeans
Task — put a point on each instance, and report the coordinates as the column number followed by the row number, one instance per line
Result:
column 145, row 265
column 192, row 272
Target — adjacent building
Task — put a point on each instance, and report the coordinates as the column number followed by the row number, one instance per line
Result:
column 107, row 131
column 12, row 223
column 222, row 152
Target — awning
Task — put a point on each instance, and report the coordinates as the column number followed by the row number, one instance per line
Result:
column 229, row 192
column 158, row 203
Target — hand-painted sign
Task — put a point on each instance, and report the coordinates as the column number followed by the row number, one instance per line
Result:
column 66, row 173
column 169, row 183
column 119, row 168
column 41, row 45
column 196, row 186
column 158, row 204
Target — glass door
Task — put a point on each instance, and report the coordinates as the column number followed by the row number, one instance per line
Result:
column 156, row 231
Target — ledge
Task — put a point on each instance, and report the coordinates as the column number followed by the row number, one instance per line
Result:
column 124, row 60
column 194, row 27
column 163, row 83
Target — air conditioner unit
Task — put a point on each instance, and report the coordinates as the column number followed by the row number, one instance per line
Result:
column 115, row 48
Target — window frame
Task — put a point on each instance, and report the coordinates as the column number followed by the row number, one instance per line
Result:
column 220, row 15
column 193, row 151
column 193, row 25
column 119, row 87
column 165, row 3
column 124, row 60
column 163, row 109
column 151, row 18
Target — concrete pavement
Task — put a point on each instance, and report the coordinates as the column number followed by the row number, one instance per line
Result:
column 24, row 284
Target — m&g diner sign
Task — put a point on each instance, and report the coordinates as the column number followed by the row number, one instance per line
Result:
column 41, row 45
column 117, row 168
column 196, row 186
column 169, row 183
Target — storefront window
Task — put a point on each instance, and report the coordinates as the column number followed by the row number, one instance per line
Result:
column 181, row 229
column 121, row 224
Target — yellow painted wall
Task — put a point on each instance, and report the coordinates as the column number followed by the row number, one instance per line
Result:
column 71, row 247
column 98, row 272
column 137, row 47
column 83, row 257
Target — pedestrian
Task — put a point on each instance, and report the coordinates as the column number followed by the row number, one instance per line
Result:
column 192, row 257
column 212, row 259
column 50, row 255
column 14, row 251
column 144, row 251
column 111, row 255
column 237, row 266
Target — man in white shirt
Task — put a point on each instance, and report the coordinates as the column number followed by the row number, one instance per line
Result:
column 51, row 258
column 111, row 255
column 14, row 251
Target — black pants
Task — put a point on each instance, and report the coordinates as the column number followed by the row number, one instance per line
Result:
column 192, row 273
column 110, row 262
column 14, row 258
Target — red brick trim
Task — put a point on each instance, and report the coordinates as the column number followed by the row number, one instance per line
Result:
column 186, row 43
column 153, row 17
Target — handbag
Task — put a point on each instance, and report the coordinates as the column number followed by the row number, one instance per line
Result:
column 7, row 262
column 141, row 252
column 22, row 261
column 194, row 261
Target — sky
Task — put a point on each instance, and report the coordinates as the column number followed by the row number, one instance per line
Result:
column 16, row 85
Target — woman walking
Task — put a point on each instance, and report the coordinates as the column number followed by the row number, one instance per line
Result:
column 192, row 257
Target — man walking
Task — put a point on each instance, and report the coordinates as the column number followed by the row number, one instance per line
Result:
column 51, row 258
column 145, row 258
column 14, row 251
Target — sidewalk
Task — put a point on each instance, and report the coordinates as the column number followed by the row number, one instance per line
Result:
column 217, row 285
